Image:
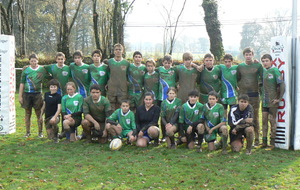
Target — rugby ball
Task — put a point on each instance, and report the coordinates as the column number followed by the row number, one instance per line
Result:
column 115, row 144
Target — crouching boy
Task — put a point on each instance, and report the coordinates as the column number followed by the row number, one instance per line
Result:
column 240, row 119
column 122, row 123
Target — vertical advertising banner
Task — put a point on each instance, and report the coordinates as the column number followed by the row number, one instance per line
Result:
column 297, row 119
column 281, row 54
column 7, row 85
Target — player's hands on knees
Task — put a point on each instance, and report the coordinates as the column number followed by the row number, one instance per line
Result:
column 233, row 131
column 97, row 126
column 67, row 116
column 249, row 120
column 140, row 135
column 132, row 138
column 189, row 130
column 168, row 125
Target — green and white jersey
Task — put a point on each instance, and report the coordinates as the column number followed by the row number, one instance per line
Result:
column 168, row 108
column 136, row 78
column 33, row 78
column 81, row 77
column 210, row 80
column 249, row 77
column 167, row 79
column 229, row 81
column 271, row 79
column 187, row 80
column 126, row 120
column 61, row 74
column 189, row 114
column 71, row 104
column 117, row 83
column 151, row 83
column 213, row 115
column 97, row 110
column 99, row 75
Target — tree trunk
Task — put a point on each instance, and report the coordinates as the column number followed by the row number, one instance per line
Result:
column 6, row 22
column 22, row 28
column 117, row 16
column 65, row 29
column 213, row 28
column 96, row 31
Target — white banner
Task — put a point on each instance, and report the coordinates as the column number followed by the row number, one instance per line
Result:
column 7, row 85
column 281, row 54
column 297, row 119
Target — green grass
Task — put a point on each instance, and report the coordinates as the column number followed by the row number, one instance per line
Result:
column 35, row 163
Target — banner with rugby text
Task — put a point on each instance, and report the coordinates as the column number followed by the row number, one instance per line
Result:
column 297, row 119
column 280, row 52
column 7, row 85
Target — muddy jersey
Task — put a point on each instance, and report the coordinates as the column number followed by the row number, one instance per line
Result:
column 271, row 79
column 97, row 110
column 213, row 115
column 167, row 79
column 187, row 80
column 136, row 78
column 249, row 77
column 61, row 74
column 168, row 108
column 229, row 81
column 189, row 114
column 81, row 76
column 99, row 75
column 210, row 80
column 117, row 83
column 151, row 83
column 33, row 78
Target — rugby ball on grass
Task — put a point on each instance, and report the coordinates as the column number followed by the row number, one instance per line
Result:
column 115, row 144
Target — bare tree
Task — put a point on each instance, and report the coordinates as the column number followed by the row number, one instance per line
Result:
column 213, row 28
column 170, row 29
column 21, row 26
column 6, row 18
column 65, row 28
column 121, row 9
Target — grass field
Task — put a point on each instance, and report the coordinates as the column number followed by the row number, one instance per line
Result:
column 35, row 163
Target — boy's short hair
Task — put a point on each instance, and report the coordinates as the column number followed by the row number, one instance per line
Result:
column 173, row 89
column 78, row 53
column 53, row 82
column 187, row 56
column 149, row 94
column 137, row 53
column 266, row 56
column 71, row 84
column 228, row 56
column 193, row 93
column 118, row 45
column 97, row 51
column 95, row 87
column 125, row 101
column 150, row 61
column 60, row 54
column 167, row 58
column 243, row 97
column 209, row 55
column 33, row 56
column 213, row 93
column 248, row 50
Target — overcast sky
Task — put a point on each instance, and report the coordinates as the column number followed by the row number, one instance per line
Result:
column 145, row 22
